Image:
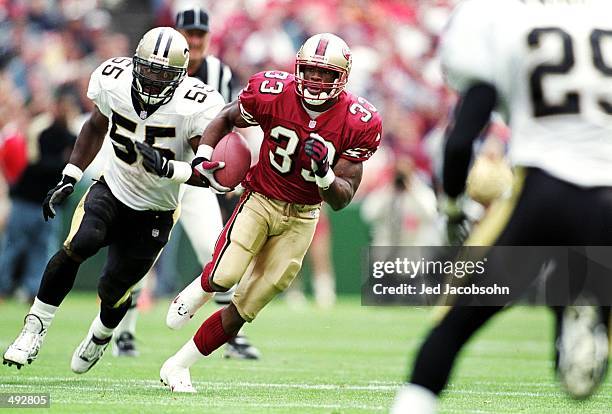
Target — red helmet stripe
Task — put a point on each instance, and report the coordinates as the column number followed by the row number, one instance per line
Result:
column 322, row 47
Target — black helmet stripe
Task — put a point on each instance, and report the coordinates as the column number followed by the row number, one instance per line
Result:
column 159, row 39
column 167, row 50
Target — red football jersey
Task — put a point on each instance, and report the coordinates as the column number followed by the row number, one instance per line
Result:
column 352, row 130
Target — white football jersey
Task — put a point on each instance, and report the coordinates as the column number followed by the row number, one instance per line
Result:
column 551, row 63
column 170, row 127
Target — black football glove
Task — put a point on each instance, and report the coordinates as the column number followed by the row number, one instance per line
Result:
column 154, row 161
column 316, row 149
column 57, row 195
column 458, row 223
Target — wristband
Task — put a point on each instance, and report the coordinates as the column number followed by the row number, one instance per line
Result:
column 327, row 180
column 73, row 171
column 182, row 171
column 204, row 151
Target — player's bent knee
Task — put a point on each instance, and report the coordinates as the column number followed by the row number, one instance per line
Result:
column 283, row 282
column 85, row 243
column 248, row 314
column 217, row 288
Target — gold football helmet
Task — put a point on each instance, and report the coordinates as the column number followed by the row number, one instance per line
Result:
column 160, row 64
column 327, row 51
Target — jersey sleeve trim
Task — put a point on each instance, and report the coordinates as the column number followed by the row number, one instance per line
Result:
column 248, row 118
column 357, row 154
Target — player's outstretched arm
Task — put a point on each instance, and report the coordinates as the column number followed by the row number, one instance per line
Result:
column 341, row 191
column 90, row 140
column 85, row 149
column 471, row 116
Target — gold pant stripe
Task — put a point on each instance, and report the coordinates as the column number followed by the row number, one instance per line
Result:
column 496, row 219
column 77, row 219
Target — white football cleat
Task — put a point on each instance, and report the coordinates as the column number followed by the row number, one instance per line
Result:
column 186, row 304
column 88, row 353
column 176, row 377
column 25, row 348
column 583, row 351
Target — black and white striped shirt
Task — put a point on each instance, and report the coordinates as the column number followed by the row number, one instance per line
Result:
column 216, row 74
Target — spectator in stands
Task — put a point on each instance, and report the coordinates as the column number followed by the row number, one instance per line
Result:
column 27, row 237
column 403, row 212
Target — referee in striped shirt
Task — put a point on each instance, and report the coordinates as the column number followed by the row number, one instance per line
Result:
column 193, row 24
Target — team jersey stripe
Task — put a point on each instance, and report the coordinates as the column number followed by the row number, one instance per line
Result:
column 159, row 39
column 322, row 47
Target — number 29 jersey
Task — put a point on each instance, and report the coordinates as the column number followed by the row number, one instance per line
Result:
column 169, row 128
column 551, row 63
column 351, row 129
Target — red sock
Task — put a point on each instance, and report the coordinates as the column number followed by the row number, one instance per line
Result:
column 211, row 334
column 204, row 280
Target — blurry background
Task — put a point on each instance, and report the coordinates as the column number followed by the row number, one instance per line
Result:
column 46, row 45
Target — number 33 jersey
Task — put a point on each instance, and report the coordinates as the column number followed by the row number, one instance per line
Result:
column 351, row 129
column 551, row 63
column 169, row 128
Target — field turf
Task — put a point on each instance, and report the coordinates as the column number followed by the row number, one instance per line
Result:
column 348, row 360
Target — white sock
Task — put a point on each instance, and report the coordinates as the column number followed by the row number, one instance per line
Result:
column 324, row 286
column 188, row 355
column 99, row 330
column 414, row 399
column 45, row 312
column 128, row 323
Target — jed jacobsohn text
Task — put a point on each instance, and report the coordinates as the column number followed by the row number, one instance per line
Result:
column 408, row 277
column 440, row 289
column 411, row 268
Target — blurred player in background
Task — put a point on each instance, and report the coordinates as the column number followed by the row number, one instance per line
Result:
column 317, row 136
column 202, row 229
column 154, row 114
column 546, row 65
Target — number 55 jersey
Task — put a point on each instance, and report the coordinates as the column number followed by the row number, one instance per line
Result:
column 169, row 127
column 351, row 129
column 551, row 63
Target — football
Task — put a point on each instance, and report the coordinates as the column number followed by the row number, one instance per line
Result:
column 234, row 151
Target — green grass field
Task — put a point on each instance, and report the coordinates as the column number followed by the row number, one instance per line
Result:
column 349, row 360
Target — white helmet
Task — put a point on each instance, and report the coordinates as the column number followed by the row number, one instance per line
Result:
column 160, row 64
column 327, row 51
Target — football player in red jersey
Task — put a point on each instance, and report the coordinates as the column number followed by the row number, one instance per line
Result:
column 316, row 137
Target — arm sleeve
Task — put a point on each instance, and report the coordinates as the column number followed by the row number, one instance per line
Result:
column 97, row 93
column 365, row 144
column 471, row 116
column 249, row 102
column 197, row 123
column 466, row 48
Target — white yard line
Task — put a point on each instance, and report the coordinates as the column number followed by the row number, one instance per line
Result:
column 372, row 386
